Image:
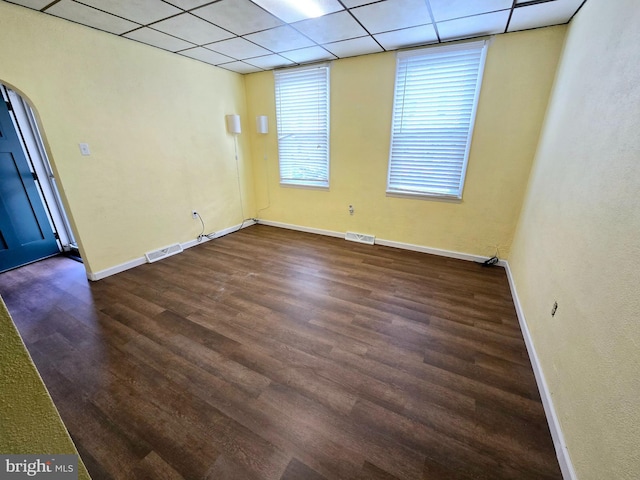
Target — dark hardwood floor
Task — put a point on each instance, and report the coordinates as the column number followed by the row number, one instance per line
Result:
column 273, row 354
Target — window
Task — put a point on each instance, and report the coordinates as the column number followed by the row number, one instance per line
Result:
column 434, row 108
column 302, row 117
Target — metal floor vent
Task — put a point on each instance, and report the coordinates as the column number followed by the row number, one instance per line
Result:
column 360, row 237
column 163, row 253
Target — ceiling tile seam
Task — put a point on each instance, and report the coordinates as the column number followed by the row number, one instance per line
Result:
column 307, row 37
column 193, row 8
column 246, row 40
column 239, row 73
column 531, row 3
column 149, row 25
column 195, row 16
column 433, row 20
column 198, row 60
column 241, row 61
column 333, row 56
column 261, row 56
column 513, row 6
column 89, row 26
column 149, row 44
column 108, row 13
column 155, row 30
column 475, row 15
column 399, row 30
column 264, row 10
column 50, row 5
column 363, row 27
column 349, row 39
column 577, row 10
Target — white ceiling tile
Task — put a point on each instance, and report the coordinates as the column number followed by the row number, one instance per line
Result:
column 310, row 54
column 240, row 67
column 543, row 14
column 158, row 39
column 238, row 16
column 355, row 46
column 238, row 48
column 448, row 9
column 356, row 3
column 141, row 11
column 188, row 4
column 91, row 17
column 408, row 37
column 393, row 15
column 269, row 61
column 294, row 11
column 36, row 4
column 330, row 28
column 478, row 25
column 192, row 29
column 207, row 56
column 279, row 39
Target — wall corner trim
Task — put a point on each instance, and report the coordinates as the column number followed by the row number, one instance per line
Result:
column 136, row 262
column 562, row 452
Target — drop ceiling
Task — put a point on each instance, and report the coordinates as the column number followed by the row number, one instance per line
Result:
column 248, row 36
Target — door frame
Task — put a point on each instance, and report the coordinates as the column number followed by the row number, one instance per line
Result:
column 26, row 127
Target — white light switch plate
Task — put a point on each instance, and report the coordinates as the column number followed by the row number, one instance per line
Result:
column 84, row 148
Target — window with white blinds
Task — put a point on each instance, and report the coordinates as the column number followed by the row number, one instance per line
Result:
column 302, row 117
column 435, row 101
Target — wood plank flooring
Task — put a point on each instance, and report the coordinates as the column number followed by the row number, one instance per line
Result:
column 273, row 354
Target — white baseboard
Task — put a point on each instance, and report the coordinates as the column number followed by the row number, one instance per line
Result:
column 559, row 442
column 386, row 243
column 560, row 445
column 221, row 233
column 288, row 226
column 435, row 251
column 568, row 472
column 136, row 262
column 107, row 272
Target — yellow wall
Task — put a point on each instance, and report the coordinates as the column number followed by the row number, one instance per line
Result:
column 29, row 422
column 155, row 125
column 518, row 76
column 578, row 242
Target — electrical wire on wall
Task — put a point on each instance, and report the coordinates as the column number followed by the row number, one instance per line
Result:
column 202, row 235
column 235, row 144
column 493, row 260
column 266, row 174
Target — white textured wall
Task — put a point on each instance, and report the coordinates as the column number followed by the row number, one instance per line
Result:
column 578, row 242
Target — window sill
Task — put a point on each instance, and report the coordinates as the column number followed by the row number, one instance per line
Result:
column 426, row 196
column 305, row 186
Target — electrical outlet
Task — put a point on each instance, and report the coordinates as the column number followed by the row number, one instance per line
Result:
column 84, row 149
column 351, row 210
column 194, row 214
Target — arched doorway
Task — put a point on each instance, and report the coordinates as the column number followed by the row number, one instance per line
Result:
column 33, row 223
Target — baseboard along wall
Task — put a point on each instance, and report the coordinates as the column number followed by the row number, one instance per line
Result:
column 562, row 452
column 560, row 445
column 136, row 262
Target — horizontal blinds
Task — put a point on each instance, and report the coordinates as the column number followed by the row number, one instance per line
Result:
column 302, row 117
column 435, row 100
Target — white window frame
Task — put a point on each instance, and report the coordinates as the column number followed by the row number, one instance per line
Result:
column 305, row 162
column 422, row 175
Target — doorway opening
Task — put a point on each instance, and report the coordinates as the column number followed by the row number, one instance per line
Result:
column 33, row 222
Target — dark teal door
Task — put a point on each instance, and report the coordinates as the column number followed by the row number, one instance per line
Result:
column 25, row 231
